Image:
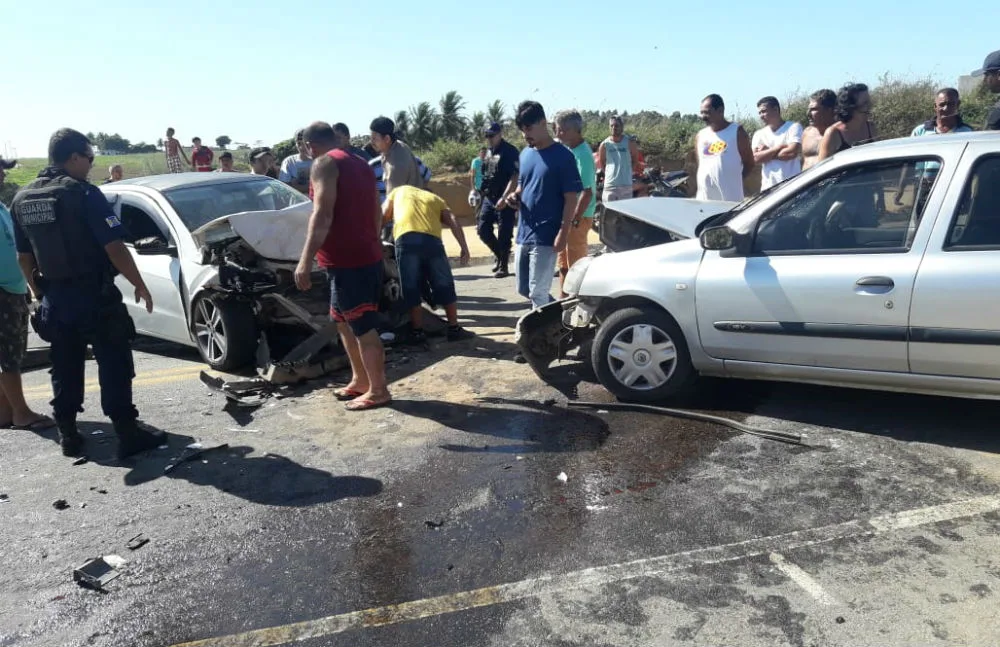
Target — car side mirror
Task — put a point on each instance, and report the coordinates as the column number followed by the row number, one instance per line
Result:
column 154, row 246
column 718, row 238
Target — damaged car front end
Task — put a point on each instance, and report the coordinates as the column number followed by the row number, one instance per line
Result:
column 566, row 329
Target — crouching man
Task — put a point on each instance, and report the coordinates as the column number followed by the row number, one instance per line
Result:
column 418, row 216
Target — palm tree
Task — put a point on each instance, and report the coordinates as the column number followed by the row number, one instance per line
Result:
column 451, row 120
column 424, row 124
column 402, row 120
column 477, row 123
column 495, row 111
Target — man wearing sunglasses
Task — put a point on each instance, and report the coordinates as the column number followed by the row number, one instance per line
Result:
column 70, row 247
column 990, row 71
column 500, row 171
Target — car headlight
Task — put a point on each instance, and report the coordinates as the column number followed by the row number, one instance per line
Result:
column 574, row 278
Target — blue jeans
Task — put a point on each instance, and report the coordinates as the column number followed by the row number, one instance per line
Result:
column 535, row 265
column 421, row 258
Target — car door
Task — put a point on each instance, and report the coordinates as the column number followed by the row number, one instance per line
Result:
column 955, row 320
column 828, row 276
column 141, row 218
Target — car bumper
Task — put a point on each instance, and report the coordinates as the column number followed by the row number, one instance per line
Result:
column 545, row 334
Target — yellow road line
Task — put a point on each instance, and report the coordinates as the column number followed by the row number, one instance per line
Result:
column 163, row 376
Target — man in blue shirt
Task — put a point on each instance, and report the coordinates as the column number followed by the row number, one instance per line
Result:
column 548, row 188
column 14, row 411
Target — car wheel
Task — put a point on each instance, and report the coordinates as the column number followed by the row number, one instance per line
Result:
column 640, row 354
column 225, row 331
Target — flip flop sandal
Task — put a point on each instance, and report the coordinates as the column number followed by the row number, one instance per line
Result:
column 364, row 405
column 36, row 425
column 347, row 394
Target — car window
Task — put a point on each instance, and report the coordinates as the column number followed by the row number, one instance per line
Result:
column 138, row 224
column 873, row 207
column 976, row 224
column 201, row 204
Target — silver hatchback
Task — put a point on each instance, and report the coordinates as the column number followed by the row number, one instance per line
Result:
column 877, row 268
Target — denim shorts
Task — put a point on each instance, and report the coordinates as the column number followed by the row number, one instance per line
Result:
column 421, row 257
column 355, row 293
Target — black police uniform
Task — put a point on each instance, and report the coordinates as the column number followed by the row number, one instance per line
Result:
column 65, row 224
column 500, row 165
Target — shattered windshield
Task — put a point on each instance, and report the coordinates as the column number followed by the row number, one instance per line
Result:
column 201, row 204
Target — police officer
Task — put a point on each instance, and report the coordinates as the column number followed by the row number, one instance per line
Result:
column 69, row 244
column 500, row 169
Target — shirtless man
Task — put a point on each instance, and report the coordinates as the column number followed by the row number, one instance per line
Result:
column 174, row 152
column 822, row 106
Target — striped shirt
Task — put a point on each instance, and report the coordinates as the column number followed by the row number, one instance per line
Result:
column 376, row 164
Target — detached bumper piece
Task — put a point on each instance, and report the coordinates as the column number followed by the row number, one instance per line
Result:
column 543, row 338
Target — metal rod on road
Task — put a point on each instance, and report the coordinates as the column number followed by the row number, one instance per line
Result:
column 779, row 436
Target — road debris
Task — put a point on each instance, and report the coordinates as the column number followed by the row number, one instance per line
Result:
column 779, row 436
column 435, row 523
column 60, row 504
column 97, row 572
column 4, row 498
column 137, row 542
column 193, row 454
column 562, row 477
column 241, row 393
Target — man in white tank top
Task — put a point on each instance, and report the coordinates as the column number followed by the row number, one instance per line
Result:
column 724, row 154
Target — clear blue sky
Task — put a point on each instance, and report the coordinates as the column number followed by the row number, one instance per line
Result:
column 261, row 69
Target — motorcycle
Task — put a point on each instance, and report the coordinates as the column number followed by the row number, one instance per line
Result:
column 650, row 183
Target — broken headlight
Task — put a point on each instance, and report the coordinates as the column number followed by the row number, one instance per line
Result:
column 574, row 278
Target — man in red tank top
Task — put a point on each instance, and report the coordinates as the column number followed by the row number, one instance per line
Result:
column 343, row 237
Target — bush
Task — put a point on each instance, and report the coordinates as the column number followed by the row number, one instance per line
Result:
column 283, row 149
column 7, row 191
column 449, row 156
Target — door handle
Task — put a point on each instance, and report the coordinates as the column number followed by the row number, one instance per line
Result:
column 875, row 282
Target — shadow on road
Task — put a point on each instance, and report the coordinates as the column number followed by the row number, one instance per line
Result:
column 540, row 428
column 268, row 479
column 950, row 422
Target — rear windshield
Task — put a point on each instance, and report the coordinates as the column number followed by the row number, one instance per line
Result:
column 201, row 204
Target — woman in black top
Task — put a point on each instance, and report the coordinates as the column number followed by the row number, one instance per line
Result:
column 853, row 127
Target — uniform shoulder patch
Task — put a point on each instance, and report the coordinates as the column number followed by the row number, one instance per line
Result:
column 113, row 221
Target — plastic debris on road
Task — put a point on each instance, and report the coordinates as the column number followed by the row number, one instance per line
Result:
column 562, row 477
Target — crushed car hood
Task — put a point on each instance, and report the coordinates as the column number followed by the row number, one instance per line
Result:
column 277, row 235
column 679, row 216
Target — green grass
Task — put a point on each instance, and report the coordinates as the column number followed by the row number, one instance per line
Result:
column 134, row 166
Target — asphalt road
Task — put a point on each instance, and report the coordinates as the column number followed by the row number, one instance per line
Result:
column 443, row 521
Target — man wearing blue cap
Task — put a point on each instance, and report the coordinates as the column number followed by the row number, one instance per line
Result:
column 991, row 79
column 500, row 171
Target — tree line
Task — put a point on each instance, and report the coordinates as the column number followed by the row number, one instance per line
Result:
column 115, row 143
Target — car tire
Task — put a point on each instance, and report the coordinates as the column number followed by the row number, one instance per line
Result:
column 625, row 350
column 225, row 331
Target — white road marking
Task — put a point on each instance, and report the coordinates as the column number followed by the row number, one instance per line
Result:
column 598, row 576
column 803, row 579
column 933, row 514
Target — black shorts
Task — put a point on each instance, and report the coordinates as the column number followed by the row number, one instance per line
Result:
column 13, row 331
column 354, row 296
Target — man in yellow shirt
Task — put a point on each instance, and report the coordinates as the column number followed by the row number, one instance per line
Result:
column 420, row 256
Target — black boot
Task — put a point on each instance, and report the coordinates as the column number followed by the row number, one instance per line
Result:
column 134, row 438
column 496, row 263
column 69, row 437
column 501, row 271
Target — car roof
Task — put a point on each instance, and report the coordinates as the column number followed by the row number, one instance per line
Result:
column 925, row 144
column 170, row 181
